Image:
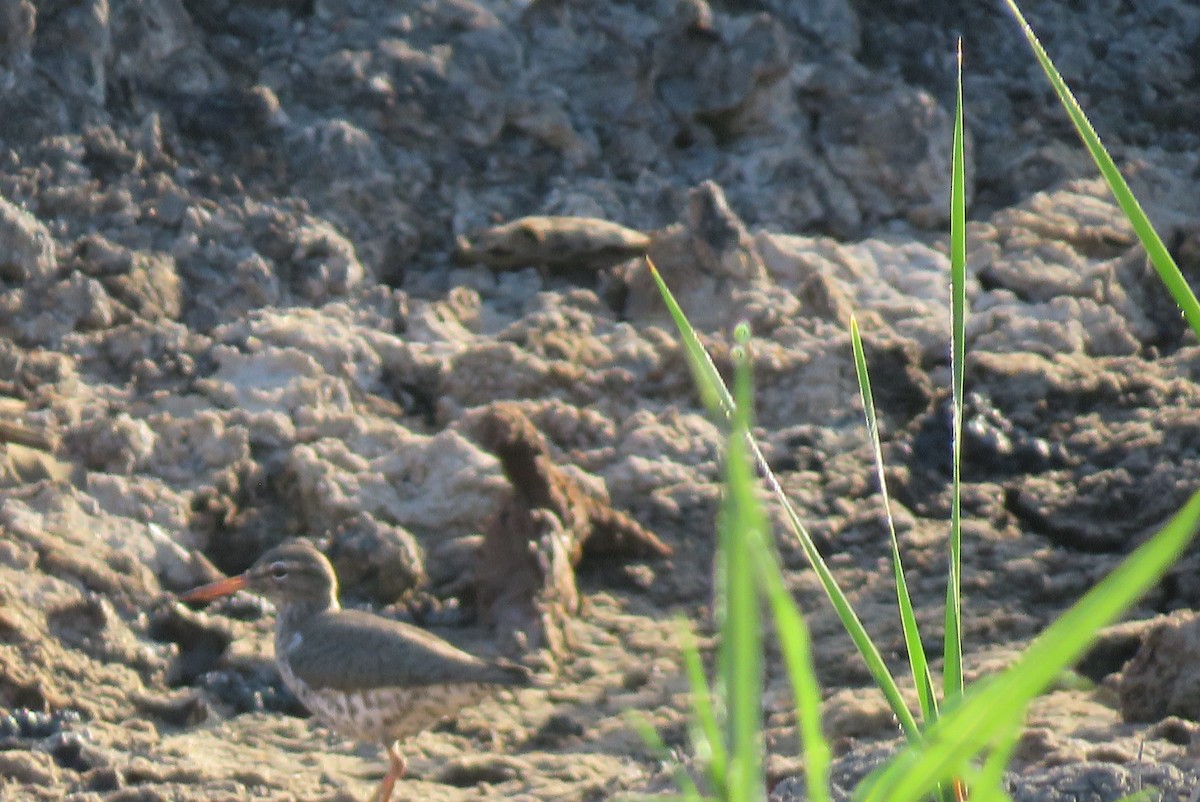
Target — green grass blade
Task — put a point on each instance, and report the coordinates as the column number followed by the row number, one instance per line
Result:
column 743, row 522
column 993, row 709
column 952, row 673
column 720, row 403
column 1160, row 257
column 640, row 723
column 917, row 659
column 713, row 393
column 1149, row 794
column 795, row 644
column 708, row 742
column 986, row 784
column 980, row 792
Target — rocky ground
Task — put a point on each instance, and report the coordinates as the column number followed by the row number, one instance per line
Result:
column 260, row 278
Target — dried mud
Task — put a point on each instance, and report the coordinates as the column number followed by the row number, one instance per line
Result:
column 260, row 278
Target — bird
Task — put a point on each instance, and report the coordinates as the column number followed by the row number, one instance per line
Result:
column 370, row 678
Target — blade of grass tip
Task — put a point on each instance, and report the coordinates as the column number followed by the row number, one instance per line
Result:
column 1160, row 257
column 992, row 709
column 640, row 723
column 917, row 659
column 714, row 392
column 743, row 520
column 952, row 673
column 708, row 742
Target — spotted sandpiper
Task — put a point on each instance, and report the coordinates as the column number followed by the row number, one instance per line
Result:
column 368, row 677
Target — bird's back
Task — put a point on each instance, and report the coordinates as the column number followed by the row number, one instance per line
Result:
column 393, row 681
column 351, row 650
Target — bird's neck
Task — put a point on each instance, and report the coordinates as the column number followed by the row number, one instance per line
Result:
column 294, row 613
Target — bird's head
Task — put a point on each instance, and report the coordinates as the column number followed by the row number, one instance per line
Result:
column 293, row 573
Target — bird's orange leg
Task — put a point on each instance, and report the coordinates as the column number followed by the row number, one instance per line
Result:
column 395, row 772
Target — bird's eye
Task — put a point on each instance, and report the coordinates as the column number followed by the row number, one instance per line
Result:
column 278, row 570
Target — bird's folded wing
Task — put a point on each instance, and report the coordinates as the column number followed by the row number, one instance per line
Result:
column 352, row 650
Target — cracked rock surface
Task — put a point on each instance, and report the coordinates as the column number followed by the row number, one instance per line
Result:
column 262, row 265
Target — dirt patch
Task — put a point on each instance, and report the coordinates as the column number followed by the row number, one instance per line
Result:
column 238, row 304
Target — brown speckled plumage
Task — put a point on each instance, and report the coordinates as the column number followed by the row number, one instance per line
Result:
column 365, row 676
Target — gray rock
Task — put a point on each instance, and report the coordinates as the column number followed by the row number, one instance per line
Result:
column 379, row 561
column 1079, row 782
column 18, row 19
column 1161, row 679
column 1101, row 782
column 335, row 150
column 26, row 246
column 887, row 141
column 74, row 41
column 156, row 45
column 834, row 23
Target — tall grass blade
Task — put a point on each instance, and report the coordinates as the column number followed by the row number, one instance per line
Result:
column 790, row 628
column 741, row 633
column 1160, row 257
column 713, row 393
column 795, row 644
column 640, row 722
column 708, row 740
column 981, row 792
column 952, row 673
column 988, row 714
column 986, row 784
column 720, row 403
column 917, row 660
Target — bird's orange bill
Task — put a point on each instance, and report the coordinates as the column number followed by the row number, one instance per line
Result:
column 214, row 590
